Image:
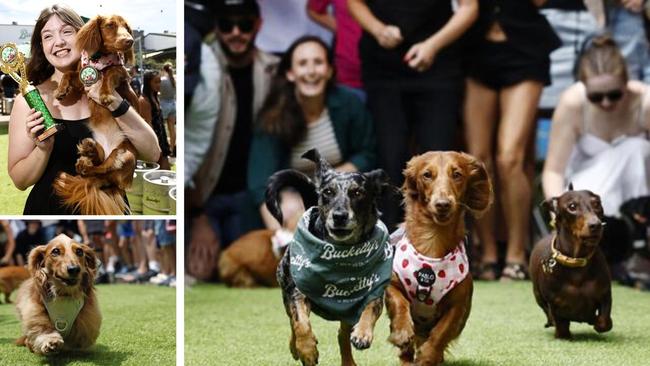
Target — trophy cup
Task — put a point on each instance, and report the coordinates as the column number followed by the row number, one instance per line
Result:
column 12, row 63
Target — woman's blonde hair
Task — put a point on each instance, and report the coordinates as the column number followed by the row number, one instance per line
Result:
column 602, row 57
column 38, row 68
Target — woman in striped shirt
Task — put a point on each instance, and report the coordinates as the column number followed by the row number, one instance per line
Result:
column 305, row 110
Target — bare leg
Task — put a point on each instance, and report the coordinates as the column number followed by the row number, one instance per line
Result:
column 518, row 107
column 480, row 111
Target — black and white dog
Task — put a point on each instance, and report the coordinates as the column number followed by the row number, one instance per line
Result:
column 339, row 261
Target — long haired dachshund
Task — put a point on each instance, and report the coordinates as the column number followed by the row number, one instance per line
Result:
column 338, row 237
column 571, row 280
column 430, row 294
column 107, row 161
column 57, row 306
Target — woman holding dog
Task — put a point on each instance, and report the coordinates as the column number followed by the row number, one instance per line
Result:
column 599, row 136
column 305, row 110
column 34, row 163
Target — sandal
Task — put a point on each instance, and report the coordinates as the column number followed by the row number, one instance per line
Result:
column 514, row 272
column 488, row 271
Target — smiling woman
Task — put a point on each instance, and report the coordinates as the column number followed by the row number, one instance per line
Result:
column 304, row 110
column 37, row 163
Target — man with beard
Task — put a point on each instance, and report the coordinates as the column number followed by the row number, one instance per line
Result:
column 222, row 210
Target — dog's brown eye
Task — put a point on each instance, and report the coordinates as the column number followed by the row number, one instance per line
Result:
column 355, row 193
column 572, row 206
column 427, row 175
column 456, row 175
column 55, row 252
column 328, row 192
column 79, row 252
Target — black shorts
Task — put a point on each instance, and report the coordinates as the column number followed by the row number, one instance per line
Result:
column 499, row 64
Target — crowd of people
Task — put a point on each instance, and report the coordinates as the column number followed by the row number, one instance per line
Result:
column 400, row 79
column 131, row 251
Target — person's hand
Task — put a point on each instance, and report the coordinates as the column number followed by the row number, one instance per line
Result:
column 34, row 126
column 203, row 249
column 635, row 6
column 112, row 102
column 389, row 36
column 4, row 261
column 421, row 55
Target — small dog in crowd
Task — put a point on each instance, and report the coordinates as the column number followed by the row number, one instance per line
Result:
column 57, row 306
column 571, row 280
column 430, row 294
column 339, row 261
column 107, row 161
column 253, row 259
column 10, row 278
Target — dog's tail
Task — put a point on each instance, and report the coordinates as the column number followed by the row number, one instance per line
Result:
column 289, row 178
column 86, row 195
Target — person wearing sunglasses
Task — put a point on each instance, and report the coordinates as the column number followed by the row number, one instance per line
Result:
column 220, row 205
column 599, row 136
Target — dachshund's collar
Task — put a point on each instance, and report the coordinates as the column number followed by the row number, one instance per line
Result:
column 63, row 312
column 100, row 61
column 565, row 260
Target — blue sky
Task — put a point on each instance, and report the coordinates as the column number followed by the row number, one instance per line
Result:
column 151, row 16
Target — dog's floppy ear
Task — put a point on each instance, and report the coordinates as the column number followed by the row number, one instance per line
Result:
column 129, row 56
column 479, row 193
column 35, row 264
column 89, row 37
column 289, row 178
column 410, row 186
column 90, row 260
column 378, row 180
column 322, row 166
column 550, row 205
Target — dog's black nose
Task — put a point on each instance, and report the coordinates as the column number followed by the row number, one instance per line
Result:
column 128, row 42
column 73, row 270
column 340, row 218
column 443, row 204
column 595, row 225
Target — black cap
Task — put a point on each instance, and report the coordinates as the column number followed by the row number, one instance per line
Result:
column 226, row 8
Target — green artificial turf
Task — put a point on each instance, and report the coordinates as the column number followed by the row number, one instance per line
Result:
column 12, row 200
column 138, row 329
column 249, row 327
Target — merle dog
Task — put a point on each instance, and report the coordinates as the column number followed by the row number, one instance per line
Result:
column 346, row 215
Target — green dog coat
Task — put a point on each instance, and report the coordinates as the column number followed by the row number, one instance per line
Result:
column 340, row 280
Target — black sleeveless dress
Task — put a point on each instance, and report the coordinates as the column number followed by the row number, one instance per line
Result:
column 42, row 200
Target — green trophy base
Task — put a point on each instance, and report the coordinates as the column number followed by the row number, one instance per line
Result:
column 49, row 132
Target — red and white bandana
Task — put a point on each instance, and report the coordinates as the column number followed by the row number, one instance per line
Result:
column 100, row 62
column 427, row 280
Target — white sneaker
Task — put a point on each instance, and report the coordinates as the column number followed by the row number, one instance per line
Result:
column 159, row 278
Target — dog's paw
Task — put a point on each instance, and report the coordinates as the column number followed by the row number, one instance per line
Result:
column 402, row 338
column 361, row 337
column 87, row 147
column 603, row 324
column 426, row 356
column 83, row 165
column 48, row 344
column 106, row 99
column 306, row 350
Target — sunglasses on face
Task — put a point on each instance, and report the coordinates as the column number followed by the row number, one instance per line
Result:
column 612, row 96
column 245, row 25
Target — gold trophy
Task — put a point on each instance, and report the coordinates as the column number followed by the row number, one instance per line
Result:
column 12, row 63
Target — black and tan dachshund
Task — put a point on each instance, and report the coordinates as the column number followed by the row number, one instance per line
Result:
column 571, row 280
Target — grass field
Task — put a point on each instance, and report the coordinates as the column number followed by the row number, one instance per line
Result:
column 138, row 329
column 12, row 200
column 249, row 327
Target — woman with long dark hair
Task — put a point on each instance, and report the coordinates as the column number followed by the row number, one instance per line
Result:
column 305, row 110
column 35, row 163
column 151, row 112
